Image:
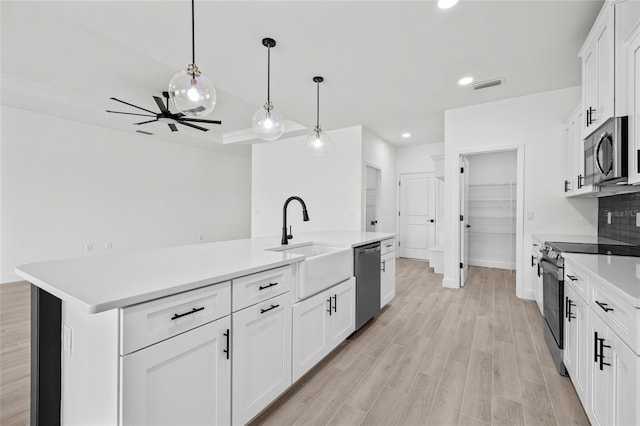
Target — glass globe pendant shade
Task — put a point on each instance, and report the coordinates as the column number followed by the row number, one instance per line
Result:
column 192, row 92
column 268, row 123
column 318, row 143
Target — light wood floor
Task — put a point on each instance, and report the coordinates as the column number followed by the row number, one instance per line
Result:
column 474, row 356
column 438, row 356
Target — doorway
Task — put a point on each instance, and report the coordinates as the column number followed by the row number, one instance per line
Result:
column 491, row 211
column 372, row 198
column 417, row 215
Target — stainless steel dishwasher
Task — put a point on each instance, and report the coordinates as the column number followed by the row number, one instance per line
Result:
column 367, row 269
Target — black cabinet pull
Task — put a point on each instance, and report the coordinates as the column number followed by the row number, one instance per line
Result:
column 602, row 346
column 226, row 351
column 330, row 308
column 335, row 303
column 262, row 311
column 262, row 287
column 193, row 311
column 384, row 266
column 595, row 346
column 604, row 306
column 599, row 357
column 580, row 179
column 572, row 278
column 570, row 315
column 566, row 186
column 533, row 261
column 566, row 306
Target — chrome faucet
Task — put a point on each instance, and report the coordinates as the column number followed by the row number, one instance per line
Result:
column 305, row 217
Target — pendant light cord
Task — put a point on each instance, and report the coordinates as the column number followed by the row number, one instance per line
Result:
column 318, row 106
column 268, row 75
column 193, row 35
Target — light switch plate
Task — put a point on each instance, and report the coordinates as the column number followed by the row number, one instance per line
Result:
column 638, row 219
column 608, row 218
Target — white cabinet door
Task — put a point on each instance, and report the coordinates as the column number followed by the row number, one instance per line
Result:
column 387, row 278
column 310, row 333
column 598, row 72
column 343, row 317
column 261, row 351
column 634, row 109
column 321, row 323
column 613, row 387
column 576, row 346
column 184, row 380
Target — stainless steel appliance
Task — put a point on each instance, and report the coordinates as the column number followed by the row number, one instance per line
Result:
column 367, row 271
column 605, row 153
column 552, row 267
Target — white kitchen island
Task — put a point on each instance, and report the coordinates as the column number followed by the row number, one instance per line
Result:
column 157, row 337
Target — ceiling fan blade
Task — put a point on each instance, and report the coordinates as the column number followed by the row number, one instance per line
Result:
column 192, row 125
column 161, row 104
column 199, row 120
column 135, row 106
column 145, row 122
column 196, row 109
column 130, row 113
column 173, row 127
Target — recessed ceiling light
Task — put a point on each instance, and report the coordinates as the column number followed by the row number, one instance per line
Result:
column 406, row 135
column 446, row 4
column 464, row 81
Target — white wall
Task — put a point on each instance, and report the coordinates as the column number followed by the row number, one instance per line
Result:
column 536, row 123
column 66, row 184
column 381, row 154
column 494, row 167
column 331, row 185
column 417, row 158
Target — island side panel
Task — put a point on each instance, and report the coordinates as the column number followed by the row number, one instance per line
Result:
column 46, row 320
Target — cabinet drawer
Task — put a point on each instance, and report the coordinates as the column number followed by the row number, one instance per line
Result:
column 387, row 246
column 150, row 322
column 617, row 313
column 578, row 281
column 255, row 288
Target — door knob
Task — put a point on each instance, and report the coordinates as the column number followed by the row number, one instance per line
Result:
column 468, row 226
column 432, row 220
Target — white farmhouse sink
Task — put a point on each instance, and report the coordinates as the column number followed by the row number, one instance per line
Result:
column 323, row 267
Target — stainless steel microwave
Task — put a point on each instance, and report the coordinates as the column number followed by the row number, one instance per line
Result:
column 605, row 153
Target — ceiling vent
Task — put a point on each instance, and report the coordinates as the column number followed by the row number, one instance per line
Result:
column 488, row 83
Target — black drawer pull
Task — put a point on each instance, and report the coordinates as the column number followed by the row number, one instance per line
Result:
column 262, row 287
column 330, row 309
column 193, row 311
column 572, row 278
column 604, row 306
column 226, row 351
column 262, row 311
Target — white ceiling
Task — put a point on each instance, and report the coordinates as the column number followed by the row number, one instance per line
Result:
column 391, row 66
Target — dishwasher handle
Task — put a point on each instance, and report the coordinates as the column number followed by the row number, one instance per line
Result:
column 369, row 250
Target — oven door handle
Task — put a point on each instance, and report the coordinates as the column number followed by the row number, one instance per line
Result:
column 552, row 268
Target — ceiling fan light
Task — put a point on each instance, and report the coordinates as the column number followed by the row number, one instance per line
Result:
column 192, row 94
column 268, row 123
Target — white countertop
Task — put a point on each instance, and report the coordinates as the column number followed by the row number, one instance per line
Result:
column 100, row 283
column 574, row 238
column 622, row 273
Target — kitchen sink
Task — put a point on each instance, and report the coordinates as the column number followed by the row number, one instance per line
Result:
column 324, row 266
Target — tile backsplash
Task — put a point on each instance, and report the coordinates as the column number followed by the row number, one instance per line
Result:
column 623, row 209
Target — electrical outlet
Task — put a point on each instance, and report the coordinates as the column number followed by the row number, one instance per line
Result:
column 108, row 245
column 608, row 218
column 638, row 219
column 89, row 247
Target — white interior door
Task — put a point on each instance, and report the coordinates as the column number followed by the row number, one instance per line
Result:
column 372, row 199
column 417, row 215
column 464, row 220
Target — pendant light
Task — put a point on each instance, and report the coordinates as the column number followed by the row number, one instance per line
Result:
column 268, row 124
column 191, row 91
column 318, row 141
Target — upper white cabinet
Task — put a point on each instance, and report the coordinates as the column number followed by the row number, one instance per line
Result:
column 598, row 84
column 633, row 53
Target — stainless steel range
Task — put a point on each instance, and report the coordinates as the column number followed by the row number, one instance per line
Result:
column 552, row 268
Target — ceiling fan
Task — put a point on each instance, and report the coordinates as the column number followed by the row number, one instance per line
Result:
column 166, row 116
